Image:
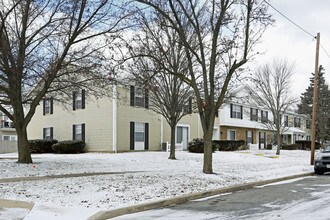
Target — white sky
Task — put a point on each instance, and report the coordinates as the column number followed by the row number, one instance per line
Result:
column 286, row 41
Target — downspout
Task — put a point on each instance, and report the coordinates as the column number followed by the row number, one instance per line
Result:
column 114, row 118
column 161, row 131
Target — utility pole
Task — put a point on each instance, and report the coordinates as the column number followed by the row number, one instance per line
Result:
column 315, row 97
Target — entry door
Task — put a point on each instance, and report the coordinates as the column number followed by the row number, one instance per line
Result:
column 182, row 136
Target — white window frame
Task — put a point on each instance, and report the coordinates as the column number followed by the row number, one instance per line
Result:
column 78, row 132
column 236, row 111
column 229, row 136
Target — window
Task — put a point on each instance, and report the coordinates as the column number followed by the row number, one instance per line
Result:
column 6, row 138
column 48, row 133
column 254, row 114
column 48, row 106
column 139, row 132
column 264, row 116
column 286, row 121
column 78, row 99
column 139, row 136
column 296, row 122
column 187, row 108
column 249, row 137
column 308, row 124
column 78, row 132
column 236, row 111
column 139, row 97
column 231, row 135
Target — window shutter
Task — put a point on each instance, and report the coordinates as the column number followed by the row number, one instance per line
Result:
column 83, row 98
column 131, row 132
column 262, row 115
column 44, row 133
column 241, row 112
column 266, row 115
column 252, row 136
column 51, row 133
column 146, row 98
column 44, row 106
column 73, row 132
column 83, row 132
column 51, row 105
column 251, row 112
column 190, row 106
column 132, row 96
column 74, row 95
column 231, row 110
column 146, row 136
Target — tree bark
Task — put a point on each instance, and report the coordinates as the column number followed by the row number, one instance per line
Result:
column 207, row 138
column 24, row 155
column 278, row 149
column 172, row 149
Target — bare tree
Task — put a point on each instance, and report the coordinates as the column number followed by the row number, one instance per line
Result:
column 217, row 37
column 271, row 90
column 157, row 60
column 48, row 47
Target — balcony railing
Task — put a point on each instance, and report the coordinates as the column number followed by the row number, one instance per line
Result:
column 7, row 124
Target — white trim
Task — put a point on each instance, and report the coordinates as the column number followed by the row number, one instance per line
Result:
column 185, row 126
column 228, row 136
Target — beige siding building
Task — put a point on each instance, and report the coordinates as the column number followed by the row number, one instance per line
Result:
column 118, row 123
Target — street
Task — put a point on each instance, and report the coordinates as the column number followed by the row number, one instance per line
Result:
column 305, row 198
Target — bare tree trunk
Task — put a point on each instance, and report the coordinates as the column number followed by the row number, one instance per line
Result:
column 24, row 155
column 207, row 138
column 278, row 149
column 172, row 149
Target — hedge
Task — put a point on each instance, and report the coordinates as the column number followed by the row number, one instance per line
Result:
column 69, row 147
column 306, row 145
column 41, row 145
column 197, row 146
column 229, row 145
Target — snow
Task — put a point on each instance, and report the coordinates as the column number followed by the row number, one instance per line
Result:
column 133, row 178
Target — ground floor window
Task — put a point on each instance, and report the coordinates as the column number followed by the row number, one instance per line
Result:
column 139, row 136
column 249, row 137
column 231, row 135
column 48, row 133
column 78, row 132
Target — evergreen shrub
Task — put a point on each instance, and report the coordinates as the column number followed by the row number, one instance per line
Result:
column 197, row 146
column 69, row 147
column 41, row 145
column 229, row 145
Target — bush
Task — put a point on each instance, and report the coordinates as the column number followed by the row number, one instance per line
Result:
column 69, row 147
column 229, row 145
column 197, row 146
column 306, row 145
column 291, row 147
column 41, row 145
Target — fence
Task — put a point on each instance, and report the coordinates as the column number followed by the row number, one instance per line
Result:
column 8, row 146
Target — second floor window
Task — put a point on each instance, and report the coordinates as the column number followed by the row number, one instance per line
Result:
column 297, row 122
column 308, row 124
column 139, row 97
column 254, row 114
column 78, row 99
column 286, row 121
column 264, row 116
column 236, row 111
column 48, row 106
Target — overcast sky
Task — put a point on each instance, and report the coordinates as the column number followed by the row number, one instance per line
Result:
column 285, row 40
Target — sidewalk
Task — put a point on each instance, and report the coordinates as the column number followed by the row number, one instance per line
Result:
column 12, row 209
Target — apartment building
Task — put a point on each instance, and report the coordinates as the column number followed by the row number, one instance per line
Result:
column 240, row 121
column 7, row 129
column 120, row 122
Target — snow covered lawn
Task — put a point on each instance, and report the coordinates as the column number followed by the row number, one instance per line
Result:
column 154, row 177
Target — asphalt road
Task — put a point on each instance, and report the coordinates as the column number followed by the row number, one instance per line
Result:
column 305, row 198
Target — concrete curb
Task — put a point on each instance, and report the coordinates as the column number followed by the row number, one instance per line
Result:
column 7, row 203
column 102, row 215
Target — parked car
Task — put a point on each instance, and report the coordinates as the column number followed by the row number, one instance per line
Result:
column 322, row 161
